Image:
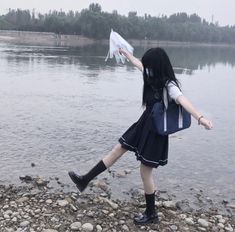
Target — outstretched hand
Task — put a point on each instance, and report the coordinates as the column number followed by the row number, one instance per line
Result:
column 135, row 61
column 206, row 123
column 123, row 52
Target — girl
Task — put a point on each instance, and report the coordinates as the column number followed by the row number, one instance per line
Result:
column 150, row 148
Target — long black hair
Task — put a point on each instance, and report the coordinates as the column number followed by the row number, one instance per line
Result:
column 157, row 71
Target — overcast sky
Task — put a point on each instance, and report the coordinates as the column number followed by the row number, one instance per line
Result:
column 222, row 11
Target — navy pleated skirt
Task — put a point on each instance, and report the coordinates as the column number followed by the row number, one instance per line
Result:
column 150, row 148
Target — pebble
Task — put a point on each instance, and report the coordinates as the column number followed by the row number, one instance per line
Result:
column 50, row 230
column 87, row 227
column 182, row 216
column 203, row 222
column 184, row 206
column 105, row 211
column 54, row 219
column 201, row 229
column 22, row 199
column 5, row 207
column 232, row 206
column 41, row 182
column 76, row 226
column 173, row 227
column 6, row 216
column 189, row 221
column 26, row 178
column 98, row 228
column 219, row 217
column 24, row 223
column 169, row 204
column 102, row 185
column 127, row 171
column 121, row 174
column 9, row 212
column 125, row 227
column 229, row 228
column 49, row 201
column 73, row 207
column 158, row 204
column 37, row 211
column 62, row 203
column 222, row 220
column 220, row 225
column 112, row 204
column 160, row 214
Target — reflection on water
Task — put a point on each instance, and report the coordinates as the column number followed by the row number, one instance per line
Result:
column 186, row 58
column 62, row 108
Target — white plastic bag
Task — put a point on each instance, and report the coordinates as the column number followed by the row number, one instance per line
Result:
column 115, row 43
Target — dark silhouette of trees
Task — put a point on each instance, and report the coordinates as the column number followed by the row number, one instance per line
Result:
column 95, row 23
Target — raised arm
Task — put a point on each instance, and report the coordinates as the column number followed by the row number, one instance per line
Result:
column 135, row 61
column 182, row 100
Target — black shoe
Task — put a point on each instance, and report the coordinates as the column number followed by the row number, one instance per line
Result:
column 146, row 219
column 78, row 180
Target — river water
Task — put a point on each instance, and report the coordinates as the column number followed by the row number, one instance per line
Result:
column 63, row 108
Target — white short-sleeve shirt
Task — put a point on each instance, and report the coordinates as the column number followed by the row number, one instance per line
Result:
column 173, row 91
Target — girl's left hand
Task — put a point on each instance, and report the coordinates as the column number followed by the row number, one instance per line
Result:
column 206, row 123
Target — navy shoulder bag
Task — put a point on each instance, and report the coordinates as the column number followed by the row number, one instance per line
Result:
column 169, row 117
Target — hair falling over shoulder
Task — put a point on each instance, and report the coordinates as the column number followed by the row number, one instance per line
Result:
column 157, row 70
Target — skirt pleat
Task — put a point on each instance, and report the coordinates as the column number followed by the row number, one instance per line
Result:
column 150, row 148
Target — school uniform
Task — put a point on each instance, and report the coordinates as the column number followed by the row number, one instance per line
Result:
column 150, row 148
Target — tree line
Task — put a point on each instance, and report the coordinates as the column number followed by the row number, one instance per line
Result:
column 95, row 23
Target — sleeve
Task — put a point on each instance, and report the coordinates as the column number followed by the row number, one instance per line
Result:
column 173, row 91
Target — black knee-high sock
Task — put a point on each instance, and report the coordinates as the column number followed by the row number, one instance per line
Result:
column 150, row 203
column 95, row 171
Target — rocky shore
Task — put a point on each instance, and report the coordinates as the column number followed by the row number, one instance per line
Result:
column 36, row 206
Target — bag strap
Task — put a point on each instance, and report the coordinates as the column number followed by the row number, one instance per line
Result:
column 165, row 98
column 166, row 102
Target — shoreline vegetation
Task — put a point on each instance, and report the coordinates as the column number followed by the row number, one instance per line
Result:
column 95, row 24
column 36, row 206
column 53, row 39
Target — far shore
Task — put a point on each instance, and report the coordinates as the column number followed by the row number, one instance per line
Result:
column 53, row 39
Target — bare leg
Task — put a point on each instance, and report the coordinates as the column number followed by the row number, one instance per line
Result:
column 149, row 215
column 113, row 155
column 82, row 181
column 147, row 178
